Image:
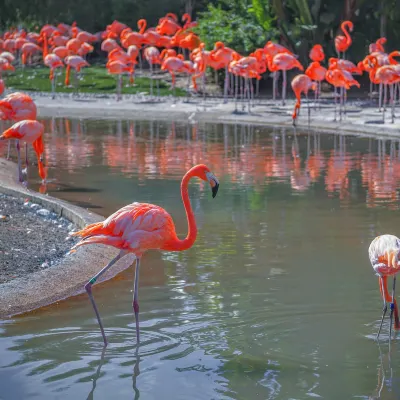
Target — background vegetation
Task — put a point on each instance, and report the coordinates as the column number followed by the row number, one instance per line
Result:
column 242, row 24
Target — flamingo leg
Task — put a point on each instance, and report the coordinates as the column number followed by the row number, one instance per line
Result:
column 284, row 87
column 392, row 307
column 309, row 110
column 151, row 79
column 392, row 100
column 9, row 148
column 384, row 103
column 384, row 310
column 158, row 86
column 135, row 298
column 236, row 92
column 88, row 288
column 19, row 161
column 380, row 96
column 334, row 95
column 226, row 85
column 274, row 79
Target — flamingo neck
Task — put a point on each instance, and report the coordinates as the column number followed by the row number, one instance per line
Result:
column 186, row 243
column 346, row 32
column 143, row 26
column 392, row 55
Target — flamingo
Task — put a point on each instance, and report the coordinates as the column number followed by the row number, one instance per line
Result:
column 285, row 62
column 28, row 49
column 28, row 131
column 2, row 86
column 16, row 107
column 317, row 53
column 301, row 84
column 152, row 56
column 342, row 43
column 340, row 78
column 139, row 227
column 317, row 73
column 384, row 257
column 75, row 62
column 222, row 54
column 53, row 62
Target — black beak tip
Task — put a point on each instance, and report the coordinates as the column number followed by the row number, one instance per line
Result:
column 215, row 190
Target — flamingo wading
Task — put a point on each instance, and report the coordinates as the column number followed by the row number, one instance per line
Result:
column 384, row 257
column 139, row 227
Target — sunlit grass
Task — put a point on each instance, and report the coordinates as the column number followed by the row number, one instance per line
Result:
column 92, row 80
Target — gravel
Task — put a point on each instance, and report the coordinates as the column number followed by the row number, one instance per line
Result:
column 31, row 238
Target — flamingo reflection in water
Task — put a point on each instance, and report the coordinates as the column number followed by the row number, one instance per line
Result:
column 384, row 256
column 386, row 379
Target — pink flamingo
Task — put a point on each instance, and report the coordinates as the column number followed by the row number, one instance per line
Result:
column 16, row 107
column 152, row 56
column 139, row 227
column 53, row 62
column 383, row 254
column 29, row 131
column 284, row 62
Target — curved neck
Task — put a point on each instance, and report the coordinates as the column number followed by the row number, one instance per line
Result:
column 392, row 55
column 345, row 28
column 186, row 243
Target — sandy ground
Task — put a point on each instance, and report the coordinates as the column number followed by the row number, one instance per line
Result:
column 65, row 276
column 361, row 117
column 31, row 238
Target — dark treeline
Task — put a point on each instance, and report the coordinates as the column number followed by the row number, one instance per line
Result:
column 241, row 24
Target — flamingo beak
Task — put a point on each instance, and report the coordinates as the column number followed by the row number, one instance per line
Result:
column 213, row 183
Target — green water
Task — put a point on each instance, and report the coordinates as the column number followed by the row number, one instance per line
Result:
column 276, row 300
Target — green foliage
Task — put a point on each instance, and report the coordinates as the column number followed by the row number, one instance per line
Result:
column 93, row 80
column 262, row 11
column 236, row 23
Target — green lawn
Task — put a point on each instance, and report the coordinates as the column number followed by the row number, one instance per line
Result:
column 94, row 80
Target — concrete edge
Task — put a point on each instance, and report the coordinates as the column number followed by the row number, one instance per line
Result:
column 68, row 277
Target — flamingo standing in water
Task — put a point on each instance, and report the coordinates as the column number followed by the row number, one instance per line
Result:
column 384, row 257
column 29, row 131
column 139, row 227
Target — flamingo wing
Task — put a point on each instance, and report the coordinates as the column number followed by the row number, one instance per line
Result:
column 136, row 227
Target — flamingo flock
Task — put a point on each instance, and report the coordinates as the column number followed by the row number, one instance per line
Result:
column 172, row 46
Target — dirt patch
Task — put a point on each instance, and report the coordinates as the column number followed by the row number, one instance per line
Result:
column 31, row 238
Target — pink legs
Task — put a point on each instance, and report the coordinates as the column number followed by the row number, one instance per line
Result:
column 21, row 179
column 88, row 288
column 135, row 298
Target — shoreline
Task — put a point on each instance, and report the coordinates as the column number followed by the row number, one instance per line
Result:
column 68, row 277
column 362, row 117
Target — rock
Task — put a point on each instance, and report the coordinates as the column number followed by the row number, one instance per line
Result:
column 43, row 212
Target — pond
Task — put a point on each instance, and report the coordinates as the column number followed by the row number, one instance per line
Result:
column 276, row 300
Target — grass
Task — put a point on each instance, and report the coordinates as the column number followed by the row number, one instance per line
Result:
column 93, row 80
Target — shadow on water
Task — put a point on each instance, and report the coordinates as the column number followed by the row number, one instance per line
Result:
column 259, row 307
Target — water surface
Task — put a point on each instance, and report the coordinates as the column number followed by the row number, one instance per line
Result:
column 276, row 300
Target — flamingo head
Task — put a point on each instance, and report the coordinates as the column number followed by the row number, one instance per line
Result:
column 186, row 17
column 218, row 46
column 204, row 173
column 349, row 25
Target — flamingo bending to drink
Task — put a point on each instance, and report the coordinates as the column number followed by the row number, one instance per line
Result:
column 139, row 227
column 384, row 257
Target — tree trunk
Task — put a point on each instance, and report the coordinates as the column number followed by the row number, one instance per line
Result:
column 383, row 21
